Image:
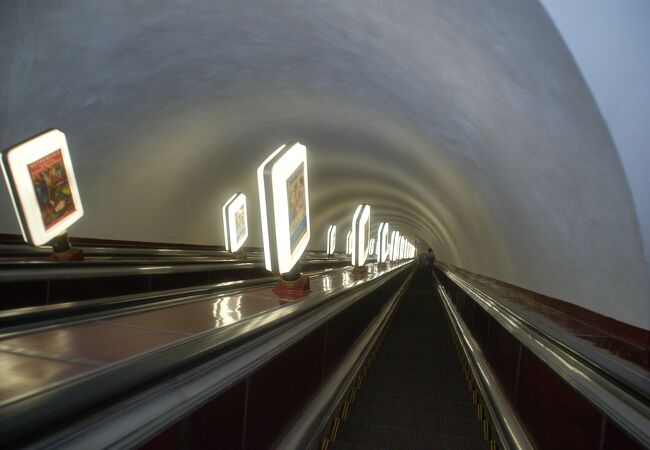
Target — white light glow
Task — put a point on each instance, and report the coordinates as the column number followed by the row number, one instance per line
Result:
column 331, row 239
column 348, row 243
column 273, row 176
column 360, row 235
column 382, row 242
column 235, row 222
column 262, row 193
column 41, row 153
column 394, row 246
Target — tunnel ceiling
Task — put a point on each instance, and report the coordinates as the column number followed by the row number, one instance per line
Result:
column 465, row 124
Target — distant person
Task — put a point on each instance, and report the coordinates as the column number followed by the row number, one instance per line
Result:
column 430, row 259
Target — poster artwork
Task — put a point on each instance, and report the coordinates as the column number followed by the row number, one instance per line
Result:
column 297, row 209
column 52, row 188
column 240, row 223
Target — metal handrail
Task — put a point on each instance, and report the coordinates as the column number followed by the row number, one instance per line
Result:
column 626, row 410
column 31, row 271
column 506, row 422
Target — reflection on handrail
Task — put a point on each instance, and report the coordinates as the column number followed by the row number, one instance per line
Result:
column 227, row 310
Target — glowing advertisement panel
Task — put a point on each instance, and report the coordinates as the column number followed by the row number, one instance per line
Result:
column 42, row 186
column 348, row 243
column 331, row 239
column 382, row 242
column 394, row 246
column 284, row 205
column 360, row 235
column 235, row 222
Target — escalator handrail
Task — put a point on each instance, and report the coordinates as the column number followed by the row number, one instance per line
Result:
column 506, row 422
column 32, row 271
column 628, row 409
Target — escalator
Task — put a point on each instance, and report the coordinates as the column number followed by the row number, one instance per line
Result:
column 414, row 394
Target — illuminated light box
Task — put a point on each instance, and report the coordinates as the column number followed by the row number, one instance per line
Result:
column 284, row 205
column 42, row 186
column 394, row 246
column 371, row 247
column 382, row 242
column 331, row 239
column 348, row 243
column 360, row 235
column 235, row 222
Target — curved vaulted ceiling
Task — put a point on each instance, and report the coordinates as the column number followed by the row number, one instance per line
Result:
column 465, row 124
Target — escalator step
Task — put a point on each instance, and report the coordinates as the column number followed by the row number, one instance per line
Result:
column 391, row 437
column 414, row 395
column 420, row 402
column 415, row 420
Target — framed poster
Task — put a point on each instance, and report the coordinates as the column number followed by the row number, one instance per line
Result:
column 235, row 222
column 360, row 235
column 284, row 204
column 331, row 239
column 42, row 186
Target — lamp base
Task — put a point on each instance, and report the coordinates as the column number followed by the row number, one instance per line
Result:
column 239, row 255
column 360, row 271
column 63, row 251
column 292, row 289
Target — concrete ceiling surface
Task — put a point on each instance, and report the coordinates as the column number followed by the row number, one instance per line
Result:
column 465, row 123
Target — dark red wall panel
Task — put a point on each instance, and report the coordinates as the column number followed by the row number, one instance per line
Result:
column 556, row 416
column 220, row 423
column 503, row 356
column 279, row 391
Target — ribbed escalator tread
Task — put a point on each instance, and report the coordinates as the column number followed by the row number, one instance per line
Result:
column 414, row 395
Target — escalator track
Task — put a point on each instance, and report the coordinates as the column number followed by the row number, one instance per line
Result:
column 414, row 395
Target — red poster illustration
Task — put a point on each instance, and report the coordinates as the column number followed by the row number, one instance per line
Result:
column 52, row 188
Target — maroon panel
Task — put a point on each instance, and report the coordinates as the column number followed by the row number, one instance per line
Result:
column 167, row 440
column 340, row 335
column 90, row 341
column 197, row 317
column 279, row 391
column 555, row 415
column 503, row 356
column 220, row 423
column 89, row 288
column 23, row 294
column 480, row 326
column 615, row 439
column 179, row 280
column 22, row 374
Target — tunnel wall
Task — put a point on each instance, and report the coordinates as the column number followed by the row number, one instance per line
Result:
column 466, row 124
